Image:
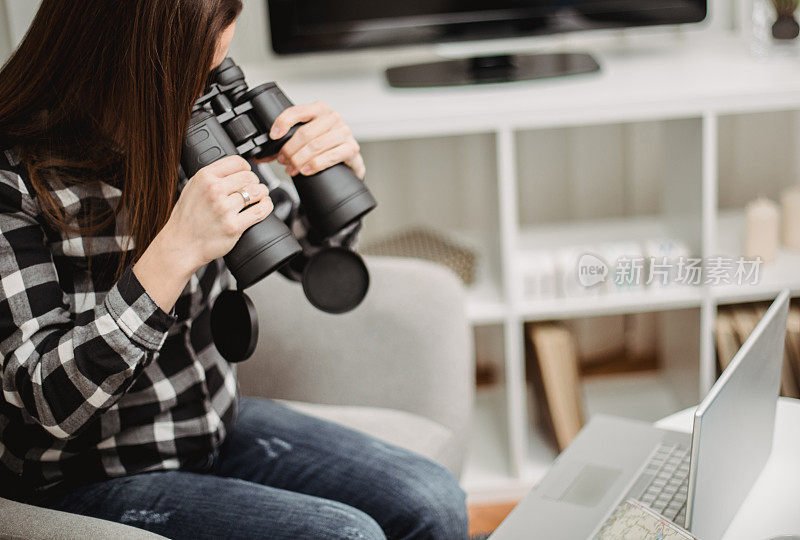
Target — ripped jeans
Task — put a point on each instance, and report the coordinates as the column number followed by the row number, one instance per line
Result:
column 283, row 474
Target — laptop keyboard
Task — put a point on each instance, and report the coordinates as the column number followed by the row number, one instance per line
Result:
column 668, row 489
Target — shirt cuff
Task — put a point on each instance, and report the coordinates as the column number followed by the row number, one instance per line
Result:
column 136, row 313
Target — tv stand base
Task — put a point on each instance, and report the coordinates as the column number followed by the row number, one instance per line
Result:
column 491, row 69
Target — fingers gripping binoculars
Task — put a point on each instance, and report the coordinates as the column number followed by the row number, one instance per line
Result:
column 232, row 119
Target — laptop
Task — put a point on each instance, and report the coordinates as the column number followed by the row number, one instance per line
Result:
column 696, row 480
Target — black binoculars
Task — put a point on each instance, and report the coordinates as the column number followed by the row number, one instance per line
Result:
column 231, row 119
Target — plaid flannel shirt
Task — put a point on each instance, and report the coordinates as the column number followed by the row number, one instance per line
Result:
column 97, row 380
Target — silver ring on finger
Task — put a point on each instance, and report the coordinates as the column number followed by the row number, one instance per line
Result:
column 245, row 195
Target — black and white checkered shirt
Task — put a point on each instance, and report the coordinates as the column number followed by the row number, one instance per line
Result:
column 97, row 380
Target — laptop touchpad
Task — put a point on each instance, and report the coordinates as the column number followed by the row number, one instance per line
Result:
column 588, row 486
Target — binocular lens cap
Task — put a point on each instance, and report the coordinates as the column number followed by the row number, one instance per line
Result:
column 335, row 280
column 234, row 326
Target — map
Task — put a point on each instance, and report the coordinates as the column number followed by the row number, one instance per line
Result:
column 633, row 521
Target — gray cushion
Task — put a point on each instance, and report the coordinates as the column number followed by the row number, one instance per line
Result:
column 22, row 521
column 410, row 431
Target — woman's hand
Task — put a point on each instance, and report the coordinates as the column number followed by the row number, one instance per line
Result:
column 323, row 141
column 205, row 224
column 207, row 220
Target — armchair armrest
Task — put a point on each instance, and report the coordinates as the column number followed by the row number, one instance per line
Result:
column 25, row 522
column 408, row 346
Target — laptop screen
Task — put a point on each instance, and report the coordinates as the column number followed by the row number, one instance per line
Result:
column 733, row 427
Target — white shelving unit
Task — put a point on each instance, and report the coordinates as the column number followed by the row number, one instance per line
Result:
column 685, row 85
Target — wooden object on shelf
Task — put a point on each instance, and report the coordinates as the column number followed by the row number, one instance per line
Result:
column 727, row 342
column 486, row 373
column 555, row 373
column 790, row 384
column 762, row 225
column 428, row 244
column 488, row 346
column 790, row 214
column 621, row 364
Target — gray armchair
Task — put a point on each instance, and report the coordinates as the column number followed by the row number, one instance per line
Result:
column 399, row 367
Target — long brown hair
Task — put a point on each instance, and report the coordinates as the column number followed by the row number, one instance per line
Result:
column 102, row 90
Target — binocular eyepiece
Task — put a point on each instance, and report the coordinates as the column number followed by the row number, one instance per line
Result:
column 232, row 119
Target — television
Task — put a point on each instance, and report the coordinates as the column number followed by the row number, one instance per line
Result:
column 304, row 26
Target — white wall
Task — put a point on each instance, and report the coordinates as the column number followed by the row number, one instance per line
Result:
column 603, row 171
column 592, row 172
column 15, row 17
column 5, row 33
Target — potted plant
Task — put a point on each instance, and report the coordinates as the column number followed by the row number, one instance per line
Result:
column 785, row 26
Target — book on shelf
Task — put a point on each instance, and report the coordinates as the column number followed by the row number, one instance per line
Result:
column 555, row 375
column 745, row 319
column 793, row 342
column 727, row 342
column 735, row 323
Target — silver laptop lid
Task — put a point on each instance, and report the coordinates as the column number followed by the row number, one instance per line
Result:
column 733, row 427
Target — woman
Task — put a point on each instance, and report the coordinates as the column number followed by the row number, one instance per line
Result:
column 115, row 403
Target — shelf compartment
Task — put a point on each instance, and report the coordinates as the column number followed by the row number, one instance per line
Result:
column 485, row 301
column 613, row 171
column 757, row 156
column 593, row 231
column 646, row 396
column 643, row 382
column 487, row 477
column 783, row 273
column 592, row 234
column 487, row 474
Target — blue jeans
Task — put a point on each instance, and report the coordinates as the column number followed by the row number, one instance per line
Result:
column 282, row 474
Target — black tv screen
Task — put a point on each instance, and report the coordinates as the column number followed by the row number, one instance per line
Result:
column 299, row 26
